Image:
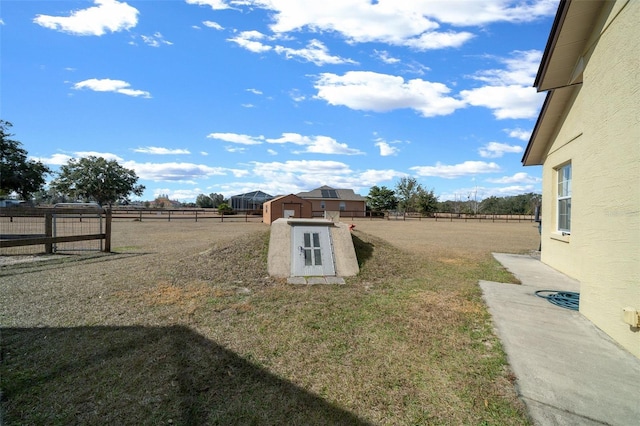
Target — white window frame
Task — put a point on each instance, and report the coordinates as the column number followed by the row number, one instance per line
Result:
column 343, row 206
column 563, row 204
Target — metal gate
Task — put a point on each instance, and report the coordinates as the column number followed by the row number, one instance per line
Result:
column 78, row 219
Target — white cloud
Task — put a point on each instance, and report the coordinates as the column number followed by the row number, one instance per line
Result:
column 511, row 190
column 497, row 150
column 370, row 91
column 108, row 85
column 509, row 92
column 107, row 15
column 297, row 96
column 54, row 160
column 255, row 91
column 237, row 138
column 155, row 40
column 251, row 40
column 106, row 155
column 235, row 149
column 438, row 40
column 327, row 145
column 161, row 151
column 213, row 25
column 175, row 172
column 488, row 11
column 179, row 194
column 60, row 159
column 386, row 149
column 396, row 23
column 506, row 101
column 315, row 52
column 516, row 178
column 374, row 177
column 294, row 138
column 272, row 151
column 466, row 168
column 520, row 69
column 301, row 167
column 213, row 4
column 385, row 57
column 521, row 134
column 316, row 144
column 409, row 23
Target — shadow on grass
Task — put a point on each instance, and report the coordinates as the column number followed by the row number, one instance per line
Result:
column 58, row 261
column 364, row 250
column 145, row 375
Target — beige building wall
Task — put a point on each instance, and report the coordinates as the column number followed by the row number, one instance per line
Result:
column 600, row 136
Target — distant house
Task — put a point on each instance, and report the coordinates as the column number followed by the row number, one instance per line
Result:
column 587, row 139
column 249, row 201
column 12, row 203
column 326, row 198
column 286, row 206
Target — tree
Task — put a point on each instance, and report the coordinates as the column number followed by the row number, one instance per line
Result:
column 380, row 199
column 426, row 201
column 17, row 174
column 204, row 201
column 96, row 179
column 216, row 199
column 408, row 190
column 225, row 208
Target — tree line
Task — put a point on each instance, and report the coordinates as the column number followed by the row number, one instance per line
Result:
column 410, row 197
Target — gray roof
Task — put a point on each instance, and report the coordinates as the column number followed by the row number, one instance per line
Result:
column 328, row 193
column 254, row 195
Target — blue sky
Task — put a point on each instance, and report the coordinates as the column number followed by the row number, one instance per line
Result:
column 282, row 96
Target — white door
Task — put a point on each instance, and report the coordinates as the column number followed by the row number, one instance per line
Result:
column 312, row 254
column 289, row 213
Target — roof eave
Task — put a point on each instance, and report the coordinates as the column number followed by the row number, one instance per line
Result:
column 551, row 42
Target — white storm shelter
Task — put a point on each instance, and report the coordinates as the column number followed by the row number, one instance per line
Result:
column 311, row 251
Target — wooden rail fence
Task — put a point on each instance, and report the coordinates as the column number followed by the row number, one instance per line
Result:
column 23, row 227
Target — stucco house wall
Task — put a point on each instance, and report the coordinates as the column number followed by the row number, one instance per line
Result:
column 598, row 132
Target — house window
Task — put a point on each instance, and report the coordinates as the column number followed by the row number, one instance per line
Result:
column 343, row 206
column 322, row 205
column 564, row 198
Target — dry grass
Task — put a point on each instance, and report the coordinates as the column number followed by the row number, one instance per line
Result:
column 183, row 326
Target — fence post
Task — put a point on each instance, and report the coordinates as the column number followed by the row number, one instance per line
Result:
column 48, row 232
column 196, row 215
column 107, row 232
column 140, row 215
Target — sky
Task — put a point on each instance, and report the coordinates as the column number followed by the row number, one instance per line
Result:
column 281, row 96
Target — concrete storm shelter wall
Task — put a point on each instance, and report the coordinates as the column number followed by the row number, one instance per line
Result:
column 311, row 247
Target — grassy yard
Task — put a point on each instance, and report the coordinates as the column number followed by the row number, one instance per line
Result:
column 182, row 325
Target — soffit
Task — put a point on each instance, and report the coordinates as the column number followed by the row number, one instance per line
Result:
column 572, row 29
column 551, row 115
